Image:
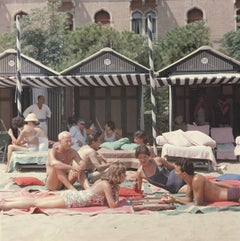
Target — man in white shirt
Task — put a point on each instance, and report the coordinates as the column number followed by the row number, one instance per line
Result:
column 79, row 134
column 42, row 112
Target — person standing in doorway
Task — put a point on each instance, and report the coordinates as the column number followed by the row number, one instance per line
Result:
column 41, row 110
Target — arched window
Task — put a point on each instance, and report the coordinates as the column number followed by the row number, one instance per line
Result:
column 137, row 22
column 194, row 15
column 102, row 17
column 21, row 14
column 70, row 21
column 153, row 17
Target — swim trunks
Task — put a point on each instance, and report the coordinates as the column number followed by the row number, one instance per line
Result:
column 83, row 198
column 234, row 194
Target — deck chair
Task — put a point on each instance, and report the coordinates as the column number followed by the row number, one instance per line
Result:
column 4, row 139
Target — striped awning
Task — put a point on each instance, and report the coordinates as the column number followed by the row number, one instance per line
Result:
column 77, row 80
column 200, row 79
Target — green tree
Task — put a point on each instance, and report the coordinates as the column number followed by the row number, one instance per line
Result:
column 230, row 44
column 181, row 41
column 91, row 38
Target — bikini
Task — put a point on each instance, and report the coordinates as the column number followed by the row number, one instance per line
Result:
column 83, row 198
column 165, row 179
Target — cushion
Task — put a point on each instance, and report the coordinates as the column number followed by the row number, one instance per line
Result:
column 204, row 128
column 107, row 145
column 198, row 138
column 27, row 181
column 176, row 138
column 238, row 140
column 222, row 134
column 115, row 145
column 129, row 192
column 128, row 147
column 160, row 140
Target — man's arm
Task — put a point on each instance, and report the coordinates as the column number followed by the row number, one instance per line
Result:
column 96, row 162
column 164, row 162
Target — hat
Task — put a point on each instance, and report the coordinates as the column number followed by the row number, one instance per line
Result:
column 31, row 117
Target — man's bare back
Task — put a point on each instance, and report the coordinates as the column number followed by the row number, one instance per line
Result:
column 208, row 191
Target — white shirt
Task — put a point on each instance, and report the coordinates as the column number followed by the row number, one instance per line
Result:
column 77, row 135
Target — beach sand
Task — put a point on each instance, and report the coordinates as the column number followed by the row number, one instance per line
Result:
column 219, row 226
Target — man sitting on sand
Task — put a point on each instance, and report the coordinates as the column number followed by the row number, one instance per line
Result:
column 200, row 189
column 94, row 163
column 60, row 171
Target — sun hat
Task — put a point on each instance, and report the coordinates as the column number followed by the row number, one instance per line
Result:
column 31, row 117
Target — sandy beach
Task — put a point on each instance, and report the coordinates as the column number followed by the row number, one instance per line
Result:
column 219, row 226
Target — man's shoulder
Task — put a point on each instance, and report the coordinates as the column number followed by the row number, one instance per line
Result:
column 198, row 178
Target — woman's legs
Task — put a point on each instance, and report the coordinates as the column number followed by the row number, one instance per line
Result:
column 12, row 148
column 55, row 201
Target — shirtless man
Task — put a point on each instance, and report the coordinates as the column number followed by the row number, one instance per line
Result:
column 60, row 171
column 95, row 165
column 200, row 189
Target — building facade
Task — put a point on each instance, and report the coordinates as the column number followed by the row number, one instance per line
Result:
column 220, row 16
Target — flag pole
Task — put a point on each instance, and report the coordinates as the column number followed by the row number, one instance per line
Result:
column 19, row 75
column 152, row 81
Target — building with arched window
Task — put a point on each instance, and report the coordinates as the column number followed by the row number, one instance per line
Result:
column 220, row 16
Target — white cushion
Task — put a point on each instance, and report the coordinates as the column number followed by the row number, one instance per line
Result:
column 198, row 138
column 204, row 128
column 176, row 138
column 237, row 140
column 222, row 134
column 160, row 140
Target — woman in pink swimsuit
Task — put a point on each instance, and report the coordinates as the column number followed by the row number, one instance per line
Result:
column 104, row 191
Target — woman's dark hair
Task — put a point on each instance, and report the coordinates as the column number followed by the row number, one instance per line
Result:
column 111, row 125
column 141, row 134
column 186, row 166
column 142, row 149
column 17, row 122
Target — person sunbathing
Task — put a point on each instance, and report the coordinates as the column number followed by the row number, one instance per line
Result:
column 31, row 137
column 104, row 191
column 157, row 171
column 199, row 189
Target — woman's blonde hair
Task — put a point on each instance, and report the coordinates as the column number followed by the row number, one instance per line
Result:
column 115, row 173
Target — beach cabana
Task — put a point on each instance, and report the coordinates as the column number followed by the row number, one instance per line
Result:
column 104, row 86
column 204, row 71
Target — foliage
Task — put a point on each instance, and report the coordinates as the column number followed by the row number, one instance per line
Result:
column 181, row 41
column 46, row 38
column 91, row 38
column 230, row 44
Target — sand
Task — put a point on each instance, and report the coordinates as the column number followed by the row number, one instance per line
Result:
column 219, row 226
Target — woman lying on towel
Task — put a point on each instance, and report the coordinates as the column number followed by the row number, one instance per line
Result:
column 158, row 171
column 104, row 191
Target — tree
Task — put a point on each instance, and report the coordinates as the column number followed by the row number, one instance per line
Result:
column 181, row 41
column 230, row 44
column 91, row 38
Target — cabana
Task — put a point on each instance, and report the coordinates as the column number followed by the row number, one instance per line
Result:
column 204, row 72
column 104, row 86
